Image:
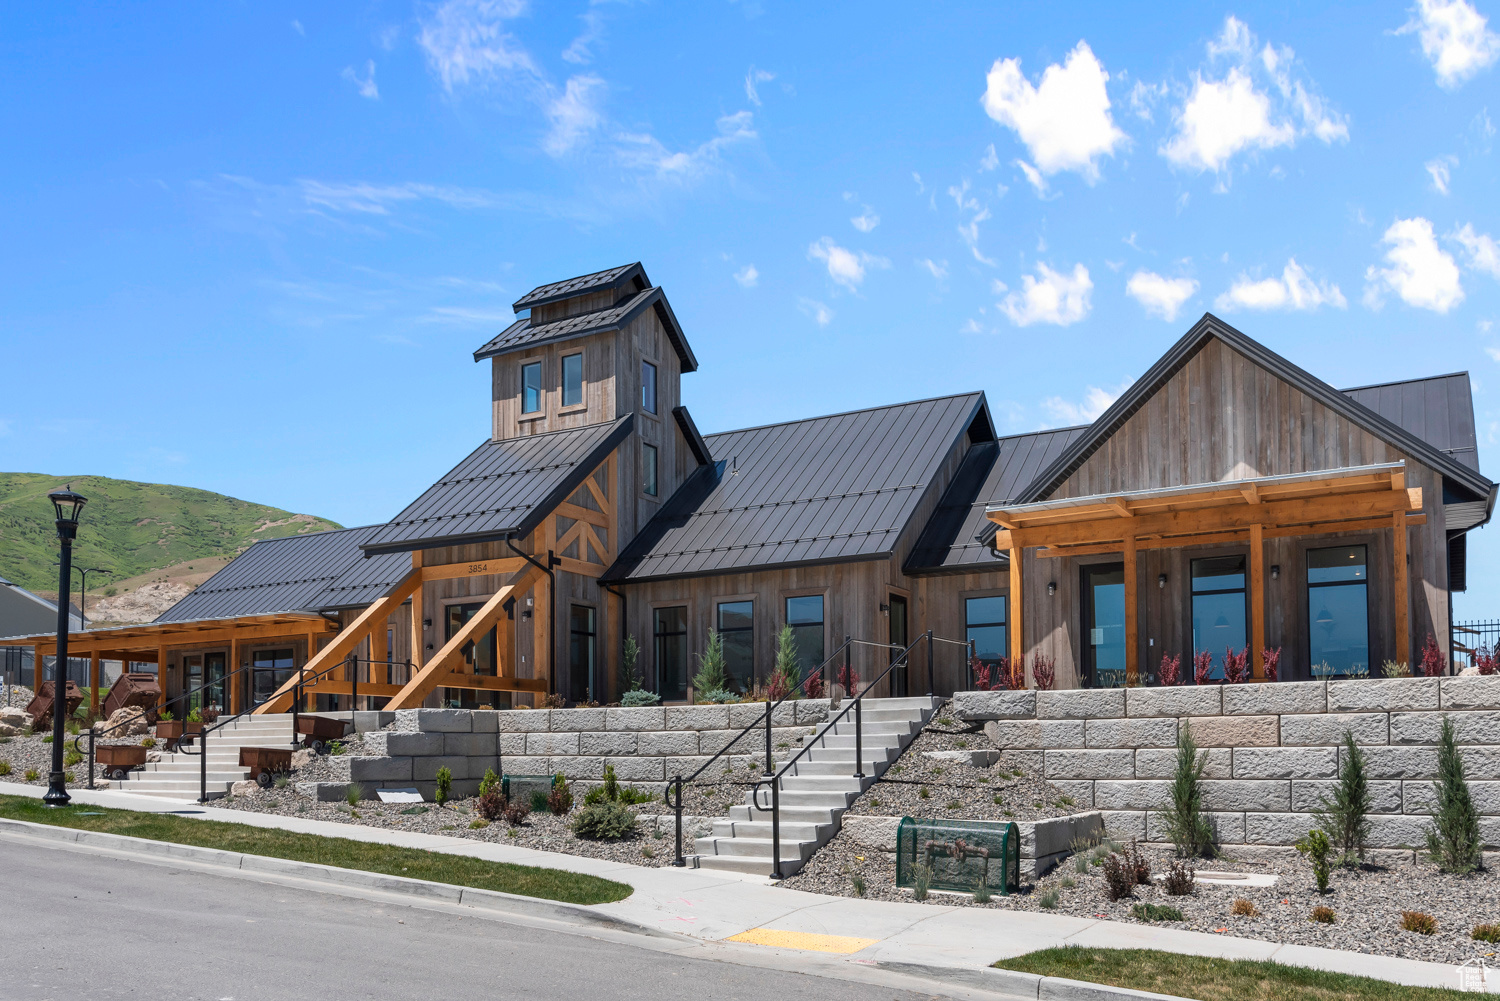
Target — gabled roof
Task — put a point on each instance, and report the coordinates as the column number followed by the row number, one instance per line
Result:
column 283, row 575
column 828, row 489
column 524, row 334
column 992, row 472
column 599, row 281
column 1439, row 410
column 504, row 488
column 1210, row 327
column 695, row 441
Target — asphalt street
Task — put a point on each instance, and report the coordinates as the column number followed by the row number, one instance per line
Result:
column 82, row 926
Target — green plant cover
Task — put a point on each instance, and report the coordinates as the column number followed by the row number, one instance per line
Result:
column 1453, row 840
column 1318, row 850
column 444, row 785
column 1187, row 828
column 711, row 676
column 605, row 821
column 639, row 697
column 1345, row 817
column 786, row 661
column 489, row 781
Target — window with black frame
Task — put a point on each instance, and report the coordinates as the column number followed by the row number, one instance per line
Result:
column 648, row 470
column 669, row 627
column 572, row 380
column 648, row 387
column 737, row 630
column 269, row 670
column 531, row 387
column 805, row 615
column 984, row 625
column 1220, row 622
column 1338, row 611
column 581, row 652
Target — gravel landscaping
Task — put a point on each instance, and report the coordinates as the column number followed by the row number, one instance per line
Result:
column 35, row 752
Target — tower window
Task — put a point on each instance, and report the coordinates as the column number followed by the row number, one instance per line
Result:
column 531, row 387
column 648, row 387
column 572, row 380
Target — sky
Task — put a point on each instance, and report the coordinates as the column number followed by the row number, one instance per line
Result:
column 251, row 247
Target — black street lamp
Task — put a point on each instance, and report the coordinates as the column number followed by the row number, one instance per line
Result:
column 67, row 505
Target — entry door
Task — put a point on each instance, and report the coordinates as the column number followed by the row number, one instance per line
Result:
column 192, row 677
column 213, row 676
column 479, row 658
column 1104, row 625
column 898, row 640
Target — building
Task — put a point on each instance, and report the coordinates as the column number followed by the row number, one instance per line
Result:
column 1229, row 499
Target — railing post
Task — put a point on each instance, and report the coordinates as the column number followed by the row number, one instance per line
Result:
column 353, row 693
column 296, row 707
column 203, row 767
column 929, row 664
column 677, row 810
column 969, row 668
column 769, row 768
column 91, row 758
column 859, row 747
column 848, row 669
column 776, row 830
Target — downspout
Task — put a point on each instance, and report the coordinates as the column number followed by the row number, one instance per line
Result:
column 551, row 612
column 624, row 618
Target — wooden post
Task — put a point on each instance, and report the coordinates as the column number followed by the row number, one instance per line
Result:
column 418, row 637
column 1257, row 601
column 161, row 677
column 1017, row 649
column 1132, row 624
column 94, row 682
column 1402, row 590
column 380, row 651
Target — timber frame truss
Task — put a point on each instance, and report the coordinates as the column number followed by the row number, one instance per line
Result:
column 1361, row 498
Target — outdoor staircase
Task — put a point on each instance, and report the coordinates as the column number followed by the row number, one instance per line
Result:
column 176, row 776
column 817, row 792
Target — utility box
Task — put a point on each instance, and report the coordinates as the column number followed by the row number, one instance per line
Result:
column 959, row 855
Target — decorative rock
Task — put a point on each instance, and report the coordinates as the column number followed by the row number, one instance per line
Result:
column 127, row 721
column 301, row 758
column 878, row 833
column 1275, row 698
column 1383, row 694
column 244, row 788
column 19, row 718
column 972, row 706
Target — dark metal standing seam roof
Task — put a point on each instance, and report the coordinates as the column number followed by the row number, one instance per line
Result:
column 503, row 488
column 1439, row 410
column 992, row 472
column 832, row 488
column 596, row 282
column 281, row 575
column 524, row 334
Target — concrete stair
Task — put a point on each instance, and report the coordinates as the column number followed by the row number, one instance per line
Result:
column 816, row 792
column 177, row 775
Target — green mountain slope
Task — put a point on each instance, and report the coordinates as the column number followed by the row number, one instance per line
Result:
column 130, row 527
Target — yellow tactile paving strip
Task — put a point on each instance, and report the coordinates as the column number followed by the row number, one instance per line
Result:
column 803, row 940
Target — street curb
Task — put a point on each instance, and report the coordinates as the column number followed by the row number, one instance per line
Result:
column 490, row 900
column 1027, row 985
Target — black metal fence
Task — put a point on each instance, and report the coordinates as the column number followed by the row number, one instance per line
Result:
column 1471, row 637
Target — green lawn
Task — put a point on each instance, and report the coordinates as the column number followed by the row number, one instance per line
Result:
column 1213, row 979
column 458, row 870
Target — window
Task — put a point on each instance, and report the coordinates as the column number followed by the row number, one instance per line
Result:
column 581, row 635
column 1338, row 610
column 269, row 669
column 648, row 469
column 737, row 630
column 531, row 387
column 984, row 622
column 648, row 387
column 479, row 658
column 670, row 628
column 1219, row 608
column 572, row 380
column 805, row 615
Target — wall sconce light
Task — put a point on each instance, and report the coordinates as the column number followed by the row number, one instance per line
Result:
column 526, row 613
column 885, row 608
column 1051, row 587
column 426, row 623
column 1161, row 581
column 1275, row 571
column 429, row 646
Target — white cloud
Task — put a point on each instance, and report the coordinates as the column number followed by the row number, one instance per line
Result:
column 579, row 51
column 644, row 151
column 990, row 160
column 1161, row 296
column 1484, row 253
column 1294, row 290
column 1420, row 272
column 1033, row 177
column 1455, row 39
column 1064, row 121
column 366, row 86
column 1095, row 401
column 466, row 43
column 747, row 276
column 973, row 326
column 1233, row 114
column 938, row 269
column 1440, row 172
column 1050, row 297
column 844, row 266
column 817, row 310
column 752, row 78
column 297, row 27
column 970, row 230
column 1144, row 98
column 573, row 114
column 866, row 220
column 376, row 199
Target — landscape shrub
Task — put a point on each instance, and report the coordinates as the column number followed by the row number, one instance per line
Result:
column 1170, row 671
column 1180, row 878
column 478, row 823
column 639, row 697
column 604, row 821
column 516, row 813
column 1043, row 671
column 921, row 881
column 489, row 781
column 1322, row 915
column 353, row 793
column 1140, row 866
column 1391, row 669
column 1317, row 848
column 491, row 803
column 630, row 679
column 1155, row 912
column 1419, row 921
column 784, row 674
column 1244, row 908
column 1048, row 900
column 553, row 700
column 1453, row 837
column 444, row 785
column 32, row 775
column 1236, row 666
column 1187, row 828
column 711, row 676
column 1119, row 877
column 4, row 767
column 560, row 797
column 1485, row 933
column 72, row 758
column 1433, row 661
column 1203, row 666
column 1346, row 818
column 857, row 881
column 1270, row 661
column 594, row 795
column 148, row 742
column 1484, row 660
column 538, row 801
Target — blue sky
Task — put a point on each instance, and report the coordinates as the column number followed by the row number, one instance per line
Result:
column 250, row 247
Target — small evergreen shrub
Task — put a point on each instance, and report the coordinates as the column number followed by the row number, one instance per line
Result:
column 1318, row 850
column 1453, row 838
column 594, row 795
column 1155, row 912
column 630, row 679
column 711, row 677
column 1244, row 908
column 719, row 696
column 1345, row 818
column 604, row 821
column 639, row 697
column 444, row 785
column 1187, row 828
column 491, row 803
column 1322, row 915
column 1180, row 878
column 784, row 674
column 1418, row 921
column 560, row 797
column 490, row 781
column 538, row 801
column 1485, row 933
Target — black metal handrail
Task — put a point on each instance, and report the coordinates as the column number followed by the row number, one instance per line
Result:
column 857, row 704
column 765, row 718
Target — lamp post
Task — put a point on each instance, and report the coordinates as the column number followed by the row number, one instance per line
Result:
column 67, row 505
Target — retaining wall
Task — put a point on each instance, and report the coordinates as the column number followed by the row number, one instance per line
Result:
column 1273, row 750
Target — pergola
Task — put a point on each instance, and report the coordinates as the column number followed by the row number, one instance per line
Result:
column 1358, row 498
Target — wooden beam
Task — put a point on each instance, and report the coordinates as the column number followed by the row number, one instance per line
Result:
column 1132, row 617
column 445, row 661
column 380, row 651
column 1221, row 538
column 1402, row 591
column 580, row 567
column 1017, row 650
column 480, row 568
column 490, row 683
column 1250, row 493
column 1257, row 600
column 418, row 631
column 582, row 514
column 1119, row 507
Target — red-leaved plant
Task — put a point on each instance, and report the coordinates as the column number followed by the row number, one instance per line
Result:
column 1043, row 671
column 848, row 680
column 1203, row 666
column 1484, row 659
column 1170, row 672
column 814, row 686
column 1433, row 661
column 1236, row 666
column 1013, row 674
column 981, row 672
column 776, row 689
column 1271, row 662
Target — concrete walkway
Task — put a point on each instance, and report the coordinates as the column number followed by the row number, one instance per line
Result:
column 714, row 906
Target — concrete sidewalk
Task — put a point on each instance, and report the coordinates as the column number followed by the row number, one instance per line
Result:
column 715, row 906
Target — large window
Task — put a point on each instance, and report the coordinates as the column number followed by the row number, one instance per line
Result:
column 648, row 469
column 581, row 653
column 1219, row 621
column 572, row 380
column 648, row 387
column 670, row 628
column 479, row 658
column 805, row 615
column 984, row 623
column 737, row 630
column 1338, row 610
column 531, row 387
column 269, row 669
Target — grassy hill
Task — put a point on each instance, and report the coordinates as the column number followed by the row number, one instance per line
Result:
column 131, row 528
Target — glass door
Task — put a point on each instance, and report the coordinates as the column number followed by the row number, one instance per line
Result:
column 192, row 675
column 214, row 669
column 1104, row 625
column 269, row 670
column 898, row 641
column 479, row 658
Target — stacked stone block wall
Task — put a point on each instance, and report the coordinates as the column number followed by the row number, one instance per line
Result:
column 1273, row 750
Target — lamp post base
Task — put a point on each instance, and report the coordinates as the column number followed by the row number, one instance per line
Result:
column 57, row 791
